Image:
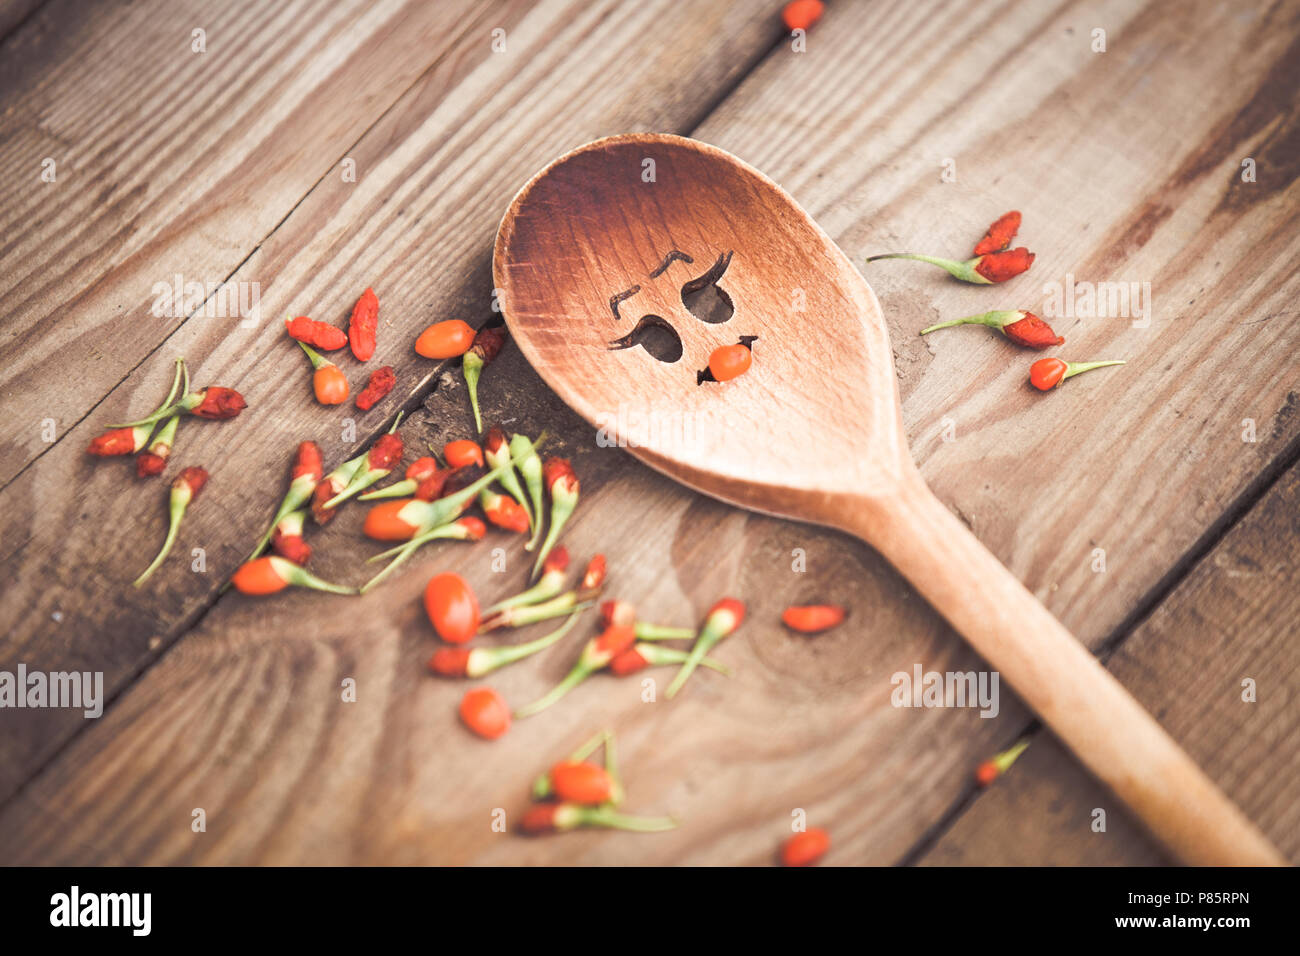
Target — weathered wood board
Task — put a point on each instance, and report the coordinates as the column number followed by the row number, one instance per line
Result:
column 434, row 172
column 1231, row 620
column 242, row 716
column 13, row 12
column 118, row 178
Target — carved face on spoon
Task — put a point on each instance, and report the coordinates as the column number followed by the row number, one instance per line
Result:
column 703, row 295
column 625, row 264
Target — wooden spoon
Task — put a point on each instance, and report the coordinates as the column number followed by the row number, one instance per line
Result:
column 591, row 261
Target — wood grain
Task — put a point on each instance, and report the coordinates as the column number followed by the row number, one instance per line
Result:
column 288, row 772
column 241, row 716
column 581, row 229
column 182, row 168
column 590, row 228
column 435, row 172
column 1145, row 468
column 13, row 13
column 1232, row 619
column 1044, row 479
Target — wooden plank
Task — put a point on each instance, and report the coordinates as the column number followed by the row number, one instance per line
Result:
column 180, row 169
column 13, row 13
column 1144, row 466
column 1232, row 619
column 251, row 173
column 1219, row 349
column 434, row 174
column 858, row 132
column 406, row 784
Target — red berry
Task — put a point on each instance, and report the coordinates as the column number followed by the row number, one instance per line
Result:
column 802, row 14
column 1046, row 374
column 729, row 361
column 452, row 607
column 805, row 849
column 485, row 712
column 813, row 618
column 580, row 782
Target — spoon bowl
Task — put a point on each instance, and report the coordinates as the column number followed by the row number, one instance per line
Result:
column 620, row 255
column 625, row 263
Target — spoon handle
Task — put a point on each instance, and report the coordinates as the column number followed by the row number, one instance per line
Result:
column 1064, row 684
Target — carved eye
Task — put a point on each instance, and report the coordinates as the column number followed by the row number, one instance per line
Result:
column 656, row 336
column 705, row 299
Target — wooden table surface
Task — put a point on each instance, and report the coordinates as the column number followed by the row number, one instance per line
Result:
column 230, row 165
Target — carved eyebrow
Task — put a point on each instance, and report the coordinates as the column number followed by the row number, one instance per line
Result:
column 618, row 297
column 669, row 259
column 715, row 273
